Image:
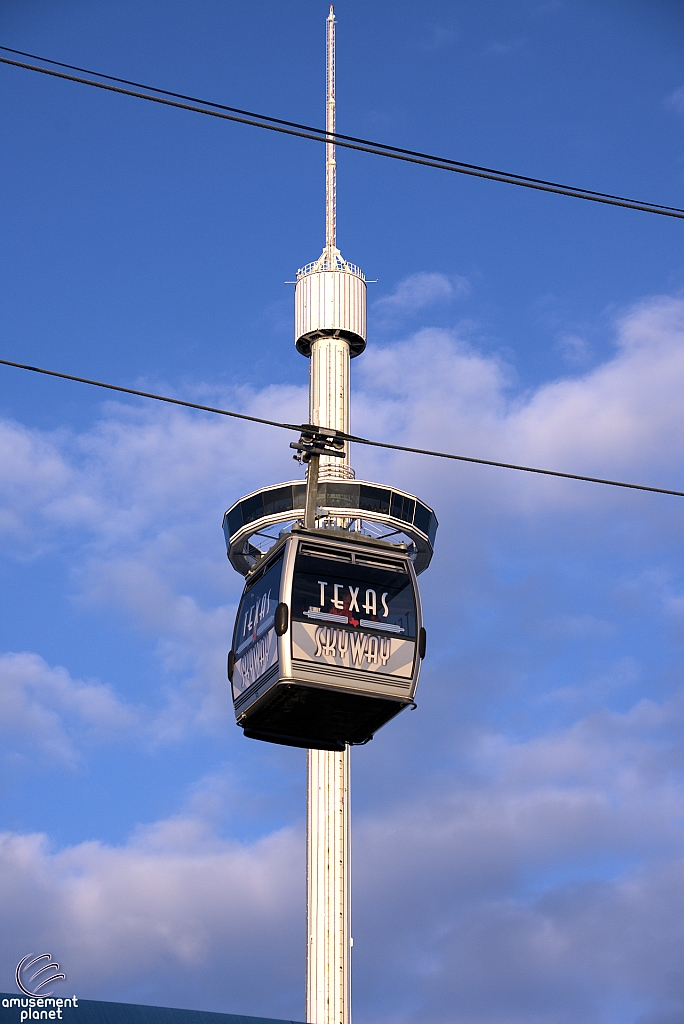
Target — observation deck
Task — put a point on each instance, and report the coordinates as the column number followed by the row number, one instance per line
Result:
column 373, row 510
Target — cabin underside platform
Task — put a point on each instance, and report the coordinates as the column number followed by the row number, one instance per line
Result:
column 318, row 718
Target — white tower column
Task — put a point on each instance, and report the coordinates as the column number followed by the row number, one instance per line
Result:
column 330, row 328
column 329, row 398
column 328, row 843
column 328, row 910
column 323, row 301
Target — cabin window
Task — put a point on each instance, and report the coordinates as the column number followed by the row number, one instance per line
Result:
column 257, row 609
column 354, row 595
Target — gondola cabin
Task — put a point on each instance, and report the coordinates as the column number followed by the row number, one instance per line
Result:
column 328, row 640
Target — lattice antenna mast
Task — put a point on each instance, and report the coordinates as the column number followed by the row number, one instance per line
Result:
column 330, row 163
column 330, row 303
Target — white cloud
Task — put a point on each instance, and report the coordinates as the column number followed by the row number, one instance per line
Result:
column 141, row 496
column 34, row 469
column 676, row 100
column 574, row 349
column 513, row 892
column 622, row 419
column 437, row 37
column 192, row 642
column 495, row 46
column 188, row 920
column 44, row 712
column 625, row 412
column 420, row 291
column 511, row 889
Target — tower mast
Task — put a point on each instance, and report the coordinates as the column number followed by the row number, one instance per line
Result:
column 330, row 304
column 330, row 328
column 330, row 163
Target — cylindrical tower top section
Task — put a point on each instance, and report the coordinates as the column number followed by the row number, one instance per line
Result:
column 330, row 297
column 330, row 302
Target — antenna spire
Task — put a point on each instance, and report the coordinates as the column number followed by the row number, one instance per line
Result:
column 330, row 165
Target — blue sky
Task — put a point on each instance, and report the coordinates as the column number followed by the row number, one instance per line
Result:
column 518, row 839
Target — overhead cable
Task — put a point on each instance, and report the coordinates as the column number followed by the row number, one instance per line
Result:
column 346, row 141
column 299, row 427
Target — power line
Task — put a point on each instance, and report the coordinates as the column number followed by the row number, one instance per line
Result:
column 298, row 427
column 346, row 141
column 157, row 398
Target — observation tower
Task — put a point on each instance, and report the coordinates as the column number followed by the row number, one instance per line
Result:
column 312, row 662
